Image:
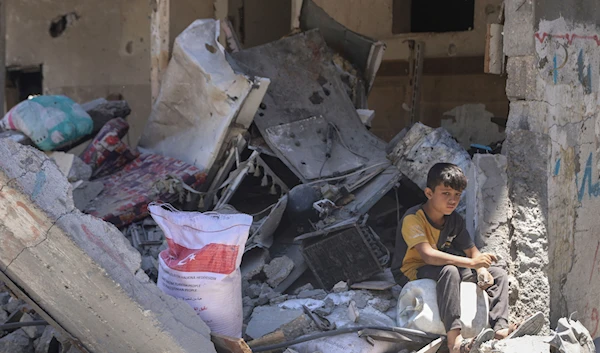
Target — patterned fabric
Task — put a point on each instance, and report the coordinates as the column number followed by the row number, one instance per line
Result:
column 107, row 154
column 128, row 192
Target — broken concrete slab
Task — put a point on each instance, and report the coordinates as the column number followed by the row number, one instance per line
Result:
column 278, row 269
column 85, row 192
column 65, row 259
column 318, row 294
column 529, row 344
column 266, row 319
column 424, row 146
column 201, row 97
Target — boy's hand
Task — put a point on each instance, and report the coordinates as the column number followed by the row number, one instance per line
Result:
column 484, row 278
column 483, row 260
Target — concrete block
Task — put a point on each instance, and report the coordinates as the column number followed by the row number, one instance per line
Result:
column 278, row 269
column 80, row 270
column 521, row 83
column 519, row 28
column 318, row 294
column 339, row 287
column 488, row 205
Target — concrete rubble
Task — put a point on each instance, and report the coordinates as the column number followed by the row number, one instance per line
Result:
column 279, row 132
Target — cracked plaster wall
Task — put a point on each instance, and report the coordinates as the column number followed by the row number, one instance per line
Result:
column 552, row 148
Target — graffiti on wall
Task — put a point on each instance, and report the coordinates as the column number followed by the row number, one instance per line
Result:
column 586, row 185
column 563, row 55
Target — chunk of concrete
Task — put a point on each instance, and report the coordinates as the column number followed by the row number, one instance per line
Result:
column 424, row 146
column 32, row 331
column 253, row 262
column 339, row 287
column 65, row 259
column 266, row 319
column 17, row 341
column 85, row 192
column 278, row 269
column 42, row 345
column 317, row 294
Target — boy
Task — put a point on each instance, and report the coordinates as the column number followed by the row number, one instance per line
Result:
column 432, row 242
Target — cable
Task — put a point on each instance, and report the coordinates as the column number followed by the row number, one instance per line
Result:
column 404, row 331
column 349, row 174
column 15, row 325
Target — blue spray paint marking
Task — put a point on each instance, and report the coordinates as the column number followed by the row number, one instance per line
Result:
column 557, row 167
column 593, row 189
column 40, row 180
column 585, row 80
column 555, row 72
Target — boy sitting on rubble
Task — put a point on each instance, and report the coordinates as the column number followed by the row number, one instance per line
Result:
column 432, row 242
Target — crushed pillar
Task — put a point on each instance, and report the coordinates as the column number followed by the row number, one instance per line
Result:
column 80, row 270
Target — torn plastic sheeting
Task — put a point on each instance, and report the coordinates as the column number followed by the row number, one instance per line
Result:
column 305, row 84
column 200, row 98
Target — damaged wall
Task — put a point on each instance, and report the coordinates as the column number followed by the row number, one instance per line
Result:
column 552, row 148
column 102, row 50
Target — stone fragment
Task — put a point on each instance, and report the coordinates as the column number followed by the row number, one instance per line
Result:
column 3, row 315
column 79, row 170
column 17, row 342
column 339, row 287
column 353, row 313
column 86, row 192
column 32, row 331
column 278, row 300
column 318, row 294
column 307, row 286
column 380, row 304
column 253, row 291
column 4, row 298
column 278, row 270
column 42, row 344
column 12, row 305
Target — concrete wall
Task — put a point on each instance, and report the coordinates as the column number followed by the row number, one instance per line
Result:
column 104, row 51
column 552, row 148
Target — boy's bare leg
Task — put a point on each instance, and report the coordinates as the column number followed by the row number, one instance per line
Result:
column 454, row 339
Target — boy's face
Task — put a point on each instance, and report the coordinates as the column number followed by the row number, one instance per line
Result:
column 443, row 199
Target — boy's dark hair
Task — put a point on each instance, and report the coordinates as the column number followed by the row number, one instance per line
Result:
column 448, row 174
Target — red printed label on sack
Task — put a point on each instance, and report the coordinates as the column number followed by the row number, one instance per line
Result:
column 216, row 258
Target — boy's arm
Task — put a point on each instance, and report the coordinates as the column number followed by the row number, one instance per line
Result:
column 484, row 278
column 435, row 257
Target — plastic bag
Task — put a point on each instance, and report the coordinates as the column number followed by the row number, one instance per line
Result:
column 202, row 263
column 49, row 121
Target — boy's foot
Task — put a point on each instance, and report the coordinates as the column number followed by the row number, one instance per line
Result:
column 530, row 326
column 473, row 345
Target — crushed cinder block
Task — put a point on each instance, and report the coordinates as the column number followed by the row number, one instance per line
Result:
column 318, row 294
column 278, row 269
column 341, row 286
column 18, row 341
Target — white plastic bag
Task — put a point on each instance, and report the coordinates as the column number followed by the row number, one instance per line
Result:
column 418, row 309
column 202, row 263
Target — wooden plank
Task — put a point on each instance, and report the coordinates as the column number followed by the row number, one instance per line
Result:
column 373, row 285
column 159, row 43
column 494, row 52
column 226, row 344
column 435, row 66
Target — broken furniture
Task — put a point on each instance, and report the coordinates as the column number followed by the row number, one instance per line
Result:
column 203, row 104
column 131, row 181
